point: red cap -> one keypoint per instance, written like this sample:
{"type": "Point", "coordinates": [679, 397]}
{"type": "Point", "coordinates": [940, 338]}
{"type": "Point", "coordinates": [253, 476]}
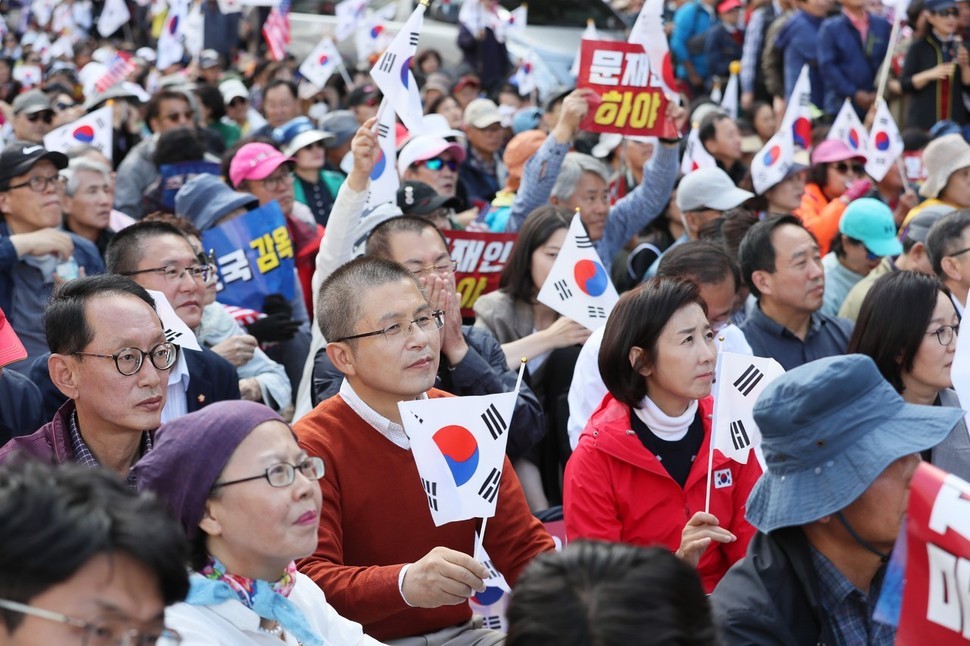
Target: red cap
{"type": "Point", "coordinates": [727, 5]}
{"type": "Point", "coordinates": [11, 349]}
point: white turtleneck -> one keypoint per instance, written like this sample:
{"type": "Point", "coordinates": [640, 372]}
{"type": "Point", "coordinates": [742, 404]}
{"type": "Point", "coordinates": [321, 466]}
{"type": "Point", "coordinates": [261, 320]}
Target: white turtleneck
{"type": "Point", "coordinates": [667, 428]}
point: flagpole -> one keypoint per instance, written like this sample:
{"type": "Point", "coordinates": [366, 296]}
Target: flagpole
{"type": "Point", "coordinates": [480, 538]}
{"type": "Point", "coordinates": [887, 62]}
{"type": "Point", "coordinates": [518, 382]}
{"type": "Point", "coordinates": [710, 452]}
{"type": "Point", "coordinates": [346, 77]}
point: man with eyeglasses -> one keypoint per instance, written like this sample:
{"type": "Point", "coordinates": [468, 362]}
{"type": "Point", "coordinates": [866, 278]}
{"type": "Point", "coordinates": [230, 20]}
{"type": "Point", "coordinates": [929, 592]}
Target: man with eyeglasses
{"type": "Point", "coordinates": [166, 110]}
{"type": "Point", "coordinates": [159, 257]}
{"type": "Point", "coordinates": [948, 245]}
{"type": "Point", "coordinates": [99, 569]}
{"type": "Point", "coordinates": [33, 117]}
{"type": "Point", "coordinates": [32, 244]}
{"type": "Point", "coordinates": [380, 557]}
{"type": "Point", "coordinates": [111, 360]}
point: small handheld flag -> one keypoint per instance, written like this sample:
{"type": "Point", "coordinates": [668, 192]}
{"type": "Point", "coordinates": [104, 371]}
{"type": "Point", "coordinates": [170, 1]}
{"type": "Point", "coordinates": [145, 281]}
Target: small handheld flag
{"type": "Point", "coordinates": [695, 155]}
{"type": "Point", "coordinates": [849, 130]}
{"type": "Point", "coordinates": [798, 115]}
{"type": "Point", "coordinates": [648, 31]}
{"type": "Point", "coordinates": [384, 180]}
{"type": "Point", "coordinates": [885, 143]}
{"type": "Point", "coordinates": [393, 76]}
{"type": "Point", "coordinates": [92, 129]}
{"type": "Point", "coordinates": [771, 164]}
{"type": "Point", "coordinates": [323, 61]}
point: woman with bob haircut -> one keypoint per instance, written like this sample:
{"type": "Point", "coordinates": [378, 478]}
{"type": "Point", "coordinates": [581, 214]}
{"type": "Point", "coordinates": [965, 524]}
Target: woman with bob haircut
{"type": "Point", "coordinates": [247, 497]}
{"type": "Point", "coordinates": [907, 324]}
{"type": "Point", "coordinates": [639, 472]}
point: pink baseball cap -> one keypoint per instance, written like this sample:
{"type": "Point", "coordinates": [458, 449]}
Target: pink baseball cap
{"type": "Point", "coordinates": [833, 150]}
{"type": "Point", "coordinates": [425, 147]}
{"type": "Point", "coordinates": [255, 161]}
{"type": "Point", "coordinates": [11, 349]}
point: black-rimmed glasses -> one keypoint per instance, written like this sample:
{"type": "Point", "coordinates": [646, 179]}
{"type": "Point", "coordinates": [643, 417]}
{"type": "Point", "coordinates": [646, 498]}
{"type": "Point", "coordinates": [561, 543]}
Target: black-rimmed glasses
{"type": "Point", "coordinates": [39, 184]}
{"type": "Point", "coordinates": [946, 333]}
{"type": "Point", "coordinates": [957, 253]}
{"type": "Point", "coordinates": [174, 274]}
{"type": "Point", "coordinates": [283, 474]}
{"type": "Point", "coordinates": [129, 361]}
{"type": "Point", "coordinates": [101, 632]}
{"type": "Point", "coordinates": [434, 321]}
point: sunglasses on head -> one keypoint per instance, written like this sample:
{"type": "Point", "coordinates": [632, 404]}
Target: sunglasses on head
{"type": "Point", "coordinates": [437, 163]}
{"type": "Point", "coordinates": [952, 12]}
{"type": "Point", "coordinates": [48, 117]}
{"type": "Point", "coordinates": [844, 168]}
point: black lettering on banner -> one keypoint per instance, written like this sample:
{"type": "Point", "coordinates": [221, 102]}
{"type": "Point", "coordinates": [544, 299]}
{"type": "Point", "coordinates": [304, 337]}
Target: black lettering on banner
{"type": "Point", "coordinates": [431, 489]}
{"type": "Point", "coordinates": [489, 488]}
{"type": "Point", "coordinates": [494, 422]}
{"type": "Point", "coordinates": [387, 62]}
{"type": "Point", "coordinates": [583, 242]}
{"type": "Point", "coordinates": [596, 311]}
{"type": "Point", "coordinates": [739, 436]}
{"type": "Point", "coordinates": [748, 380]}
{"type": "Point", "coordinates": [562, 288]}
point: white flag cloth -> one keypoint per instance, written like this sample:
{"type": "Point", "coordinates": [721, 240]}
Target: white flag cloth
{"type": "Point", "coordinates": [114, 14]}
{"type": "Point", "coordinates": [349, 13]}
{"type": "Point", "coordinates": [518, 19]}
{"type": "Point", "coordinates": [62, 47]}
{"type": "Point", "coordinates": [849, 130]}
{"type": "Point", "coordinates": [92, 129]}
{"type": "Point", "coordinates": [170, 40]}
{"type": "Point", "coordinates": [648, 31]}
{"type": "Point", "coordinates": [798, 116]}
{"type": "Point", "coordinates": [194, 30]}
{"type": "Point", "coordinates": [729, 102]}
{"type": "Point", "coordinates": [393, 76]}
{"type": "Point", "coordinates": [322, 62]}
{"type": "Point", "coordinates": [176, 331]}
{"type": "Point", "coordinates": [578, 286]}
{"type": "Point", "coordinates": [960, 372]}
{"type": "Point", "coordinates": [885, 143]}
{"type": "Point", "coordinates": [371, 36]}
{"type": "Point", "coordinates": [230, 6]}
{"type": "Point", "coordinates": [458, 444]}
{"type": "Point", "coordinates": [495, 578]}
{"type": "Point", "coordinates": [525, 76]}
{"type": "Point", "coordinates": [42, 44]}
{"type": "Point", "coordinates": [695, 155]}
{"type": "Point", "coordinates": [739, 380]}
{"type": "Point", "coordinates": [589, 34]}
{"type": "Point", "coordinates": [770, 165]}
{"type": "Point", "coordinates": [384, 180]}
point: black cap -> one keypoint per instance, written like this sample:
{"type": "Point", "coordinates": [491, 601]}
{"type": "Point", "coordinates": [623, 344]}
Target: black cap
{"type": "Point", "coordinates": [367, 94]}
{"type": "Point", "coordinates": [17, 159]}
{"type": "Point", "coordinates": [417, 198]}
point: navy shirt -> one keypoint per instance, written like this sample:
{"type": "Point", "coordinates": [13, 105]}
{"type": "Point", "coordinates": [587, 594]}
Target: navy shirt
{"type": "Point", "coordinates": [827, 336]}
{"type": "Point", "coordinates": [20, 406]}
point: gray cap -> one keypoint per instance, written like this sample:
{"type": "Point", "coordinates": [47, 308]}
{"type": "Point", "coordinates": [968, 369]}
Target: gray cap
{"type": "Point", "coordinates": [32, 102]}
{"type": "Point", "coordinates": [919, 227]}
{"type": "Point", "coordinates": [342, 124]}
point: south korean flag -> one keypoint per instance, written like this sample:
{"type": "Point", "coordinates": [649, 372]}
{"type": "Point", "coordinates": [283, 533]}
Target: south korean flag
{"type": "Point", "coordinates": [92, 129]}
{"type": "Point", "coordinates": [578, 285]}
{"type": "Point", "coordinates": [458, 445]}
{"type": "Point", "coordinates": [740, 379]}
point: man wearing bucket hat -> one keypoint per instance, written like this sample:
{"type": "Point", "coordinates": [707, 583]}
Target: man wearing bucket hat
{"type": "Point", "coordinates": [840, 446]}
{"type": "Point", "coordinates": [947, 164]}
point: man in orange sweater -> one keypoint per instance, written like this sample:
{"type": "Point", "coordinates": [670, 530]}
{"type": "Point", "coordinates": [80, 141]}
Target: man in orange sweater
{"type": "Point", "coordinates": [380, 559]}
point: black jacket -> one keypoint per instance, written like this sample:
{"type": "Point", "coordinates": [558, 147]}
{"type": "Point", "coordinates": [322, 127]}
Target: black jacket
{"type": "Point", "coordinates": [926, 105]}
{"type": "Point", "coordinates": [771, 595]}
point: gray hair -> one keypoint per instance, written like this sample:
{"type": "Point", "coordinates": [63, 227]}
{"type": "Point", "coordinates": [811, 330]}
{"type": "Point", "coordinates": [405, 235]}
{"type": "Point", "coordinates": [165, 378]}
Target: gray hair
{"type": "Point", "coordinates": [79, 165]}
{"type": "Point", "coordinates": [572, 169]}
{"type": "Point", "coordinates": [944, 237]}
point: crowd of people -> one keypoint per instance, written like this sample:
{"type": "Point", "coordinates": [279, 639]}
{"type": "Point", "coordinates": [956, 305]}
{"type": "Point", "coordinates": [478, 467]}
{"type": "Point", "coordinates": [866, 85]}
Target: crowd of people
{"type": "Point", "coordinates": [179, 466]}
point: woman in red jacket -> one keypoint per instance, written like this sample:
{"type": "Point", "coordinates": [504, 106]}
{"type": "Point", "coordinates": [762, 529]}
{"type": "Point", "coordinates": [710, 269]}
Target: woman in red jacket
{"type": "Point", "coordinates": [639, 472]}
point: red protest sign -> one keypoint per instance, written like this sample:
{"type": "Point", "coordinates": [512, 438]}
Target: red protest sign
{"type": "Point", "coordinates": [936, 594]}
{"type": "Point", "coordinates": [480, 258]}
{"type": "Point", "coordinates": [629, 99]}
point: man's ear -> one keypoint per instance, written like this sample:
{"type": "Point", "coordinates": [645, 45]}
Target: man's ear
{"type": "Point", "coordinates": [951, 268]}
{"type": "Point", "coordinates": [209, 524]}
{"type": "Point", "coordinates": [762, 280]}
{"type": "Point", "coordinates": [555, 201]}
{"type": "Point", "coordinates": [63, 372]}
{"type": "Point", "coordinates": [342, 357]}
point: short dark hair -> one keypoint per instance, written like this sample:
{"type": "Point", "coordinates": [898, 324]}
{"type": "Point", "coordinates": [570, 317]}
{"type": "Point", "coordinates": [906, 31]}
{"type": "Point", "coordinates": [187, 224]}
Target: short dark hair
{"type": "Point", "coordinates": [379, 240]}
{"type": "Point", "coordinates": [65, 324]}
{"type": "Point", "coordinates": [55, 519]}
{"type": "Point", "coordinates": [154, 106]}
{"type": "Point", "coordinates": [339, 298]}
{"type": "Point", "coordinates": [757, 251]}
{"type": "Point", "coordinates": [703, 262]}
{"type": "Point", "coordinates": [893, 319]}
{"type": "Point", "coordinates": [707, 130]}
{"type": "Point", "coordinates": [211, 98]}
{"type": "Point", "coordinates": [943, 236]}
{"type": "Point", "coordinates": [275, 83]}
{"type": "Point", "coordinates": [182, 144]}
{"type": "Point", "coordinates": [818, 174]}
{"type": "Point", "coordinates": [538, 227]}
{"type": "Point", "coordinates": [124, 252]}
{"type": "Point", "coordinates": [637, 320]}
{"type": "Point", "coordinates": [737, 222]}
{"type": "Point", "coordinates": [609, 594]}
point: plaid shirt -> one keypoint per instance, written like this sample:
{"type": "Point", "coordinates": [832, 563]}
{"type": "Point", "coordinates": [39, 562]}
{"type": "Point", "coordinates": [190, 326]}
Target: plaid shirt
{"type": "Point", "coordinates": [83, 455]}
{"type": "Point", "coordinates": [849, 609]}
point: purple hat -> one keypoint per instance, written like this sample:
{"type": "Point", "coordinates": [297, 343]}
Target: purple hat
{"type": "Point", "coordinates": [191, 452]}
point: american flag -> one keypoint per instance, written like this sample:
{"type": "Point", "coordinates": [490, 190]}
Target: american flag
{"type": "Point", "coordinates": [119, 69]}
{"type": "Point", "coordinates": [276, 30]}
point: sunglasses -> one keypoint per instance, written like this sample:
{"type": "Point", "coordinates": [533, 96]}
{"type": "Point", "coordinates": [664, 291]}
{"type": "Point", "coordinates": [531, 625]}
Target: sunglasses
{"type": "Point", "coordinates": [48, 117]}
{"type": "Point", "coordinates": [437, 163]}
{"type": "Point", "coordinates": [238, 101]}
{"type": "Point", "coordinates": [952, 12]}
{"type": "Point", "coordinates": [61, 105]}
{"type": "Point", "coordinates": [856, 169]}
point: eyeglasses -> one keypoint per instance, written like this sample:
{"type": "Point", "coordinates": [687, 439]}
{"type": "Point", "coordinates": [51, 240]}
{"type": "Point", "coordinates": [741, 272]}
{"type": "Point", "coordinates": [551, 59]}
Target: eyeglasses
{"type": "Point", "coordinates": [39, 184]}
{"type": "Point", "coordinates": [946, 333]}
{"type": "Point", "coordinates": [101, 632]}
{"type": "Point", "coordinates": [283, 474]}
{"type": "Point", "coordinates": [957, 253]}
{"type": "Point", "coordinates": [441, 268]}
{"type": "Point", "coordinates": [179, 117]}
{"type": "Point", "coordinates": [208, 260]}
{"type": "Point", "coordinates": [396, 330]}
{"type": "Point", "coordinates": [855, 169]}
{"type": "Point", "coordinates": [277, 181]}
{"type": "Point", "coordinates": [952, 12]}
{"type": "Point", "coordinates": [47, 117]}
{"type": "Point", "coordinates": [174, 274]}
{"type": "Point", "coordinates": [436, 163]}
{"type": "Point", "coordinates": [129, 361]}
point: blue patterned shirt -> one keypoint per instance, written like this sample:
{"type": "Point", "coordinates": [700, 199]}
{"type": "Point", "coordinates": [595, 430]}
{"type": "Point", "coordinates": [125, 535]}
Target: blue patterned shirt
{"type": "Point", "coordinates": [849, 609]}
{"type": "Point", "coordinates": [83, 455]}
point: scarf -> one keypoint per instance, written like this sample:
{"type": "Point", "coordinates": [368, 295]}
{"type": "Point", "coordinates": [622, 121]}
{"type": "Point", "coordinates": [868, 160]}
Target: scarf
{"type": "Point", "coordinates": [268, 600]}
{"type": "Point", "coordinates": [662, 425]}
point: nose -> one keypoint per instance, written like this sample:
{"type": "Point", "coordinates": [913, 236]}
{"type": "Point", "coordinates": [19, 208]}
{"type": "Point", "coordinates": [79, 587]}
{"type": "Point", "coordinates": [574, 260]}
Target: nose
{"type": "Point", "coordinates": [149, 376]}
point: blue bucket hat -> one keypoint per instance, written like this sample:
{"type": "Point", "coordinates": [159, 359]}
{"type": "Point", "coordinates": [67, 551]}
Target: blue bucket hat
{"type": "Point", "coordinates": [205, 198]}
{"type": "Point", "coordinates": [829, 428]}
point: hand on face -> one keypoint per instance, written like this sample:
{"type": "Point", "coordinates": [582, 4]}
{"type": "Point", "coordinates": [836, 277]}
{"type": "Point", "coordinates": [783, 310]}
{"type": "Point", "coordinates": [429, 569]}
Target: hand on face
{"type": "Point", "coordinates": [441, 295]}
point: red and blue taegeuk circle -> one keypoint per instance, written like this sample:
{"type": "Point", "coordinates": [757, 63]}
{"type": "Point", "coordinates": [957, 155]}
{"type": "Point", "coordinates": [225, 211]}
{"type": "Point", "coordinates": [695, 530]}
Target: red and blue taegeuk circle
{"type": "Point", "coordinates": [84, 134]}
{"type": "Point", "coordinates": [460, 450]}
{"type": "Point", "coordinates": [591, 277]}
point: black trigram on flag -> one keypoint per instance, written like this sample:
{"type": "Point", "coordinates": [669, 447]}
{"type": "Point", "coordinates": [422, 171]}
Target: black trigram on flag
{"type": "Point", "coordinates": [596, 312]}
{"type": "Point", "coordinates": [494, 422]}
{"type": "Point", "coordinates": [489, 488]}
{"type": "Point", "coordinates": [492, 572]}
{"type": "Point", "coordinates": [492, 622]}
{"type": "Point", "coordinates": [413, 39]}
{"type": "Point", "coordinates": [387, 62]}
{"type": "Point", "coordinates": [383, 130]}
{"type": "Point", "coordinates": [739, 436]}
{"type": "Point", "coordinates": [562, 288]}
{"type": "Point", "coordinates": [583, 242]}
{"type": "Point", "coordinates": [172, 335]}
{"type": "Point", "coordinates": [431, 489]}
{"type": "Point", "coordinates": [99, 122]}
{"type": "Point", "coordinates": [748, 380]}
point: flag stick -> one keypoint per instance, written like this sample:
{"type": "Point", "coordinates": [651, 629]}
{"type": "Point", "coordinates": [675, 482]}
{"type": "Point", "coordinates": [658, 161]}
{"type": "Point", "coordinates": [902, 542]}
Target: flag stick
{"type": "Point", "coordinates": [346, 77]}
{"type": "Point", "coordinates": [710, 452]}
{"type": "Point", "coordinates": [887, 62]}
{"type": "Point", "coordinates": [518, 382]}
{"type": "Point", "coordinates": [480, 538]}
